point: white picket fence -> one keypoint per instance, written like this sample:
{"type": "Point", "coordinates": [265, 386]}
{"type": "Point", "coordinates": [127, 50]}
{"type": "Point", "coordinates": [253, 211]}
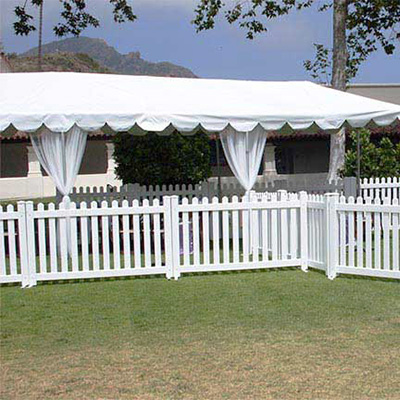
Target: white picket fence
{"type": "Point", "coordinates": [359, 237]}
{"type": "Point", "coordinates": [229, 187]}
{"type": "Point", "coordinates": [374, 187]}
{"type": "Point", "coordinates": [175, 236]}
{"type": "Point", "coordinates": [381, 187]}
{"type": "Point", "coordinates": [13, 250]}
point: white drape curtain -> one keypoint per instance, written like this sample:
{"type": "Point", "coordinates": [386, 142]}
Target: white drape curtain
{"type": "Point", "coordinates": [60, 154]}
{"type": "Point", "coordinates": [244, 151]}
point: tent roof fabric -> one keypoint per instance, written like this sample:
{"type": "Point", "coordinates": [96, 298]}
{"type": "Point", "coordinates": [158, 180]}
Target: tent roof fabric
{"type": "Point", "coordinates": [138, 104]}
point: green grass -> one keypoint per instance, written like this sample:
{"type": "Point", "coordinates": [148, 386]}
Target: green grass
{"type": "Point", "coordinates": [275, 334]}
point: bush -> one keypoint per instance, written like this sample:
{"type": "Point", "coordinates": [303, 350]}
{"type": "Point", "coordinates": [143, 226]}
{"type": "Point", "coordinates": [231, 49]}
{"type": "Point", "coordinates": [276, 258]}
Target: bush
{"type": "Point", "coordinates": [159, 160]}
{"type": "Point", "coordinates": [378, 160]}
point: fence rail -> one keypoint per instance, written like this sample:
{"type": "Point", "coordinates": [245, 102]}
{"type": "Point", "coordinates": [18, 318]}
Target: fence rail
{"type": "Point", "coordinates": [175, 236]}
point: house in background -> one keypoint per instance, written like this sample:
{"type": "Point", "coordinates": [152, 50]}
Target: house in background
{"type": "Point", "coordinates": [295, 156]}
{"type": "Point", "coordinates": [302, 153]}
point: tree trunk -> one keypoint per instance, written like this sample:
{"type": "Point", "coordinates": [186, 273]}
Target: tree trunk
{"type": "Point", "coordinates": [40, 36]}
{"type": "Point", "coordinates": [339, 81]}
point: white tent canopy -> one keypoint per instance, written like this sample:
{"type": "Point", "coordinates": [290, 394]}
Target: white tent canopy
{"type": "Point", "coordinates": [60, 100]}
{"type": "Point", "coordinates": [72, 104]}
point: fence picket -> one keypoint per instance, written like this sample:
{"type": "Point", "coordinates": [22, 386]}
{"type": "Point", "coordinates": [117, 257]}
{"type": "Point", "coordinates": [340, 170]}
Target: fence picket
{"type": "Point", "coordinates": [73, 235]}
{"type": "Point", "coordinates": [293, 232]}
{"type": "Point", "coordinates": [3, 271]}
{"type": "Point", "coordinates": [245, 229]}
{"type": "Point", "coordinates": [255, 235]}
{"type": "Point", "coordinates": [126, 237]}
{"type": "Point", "coordinates": [386, 235]}
{"type": "Point", "coordinates": [42, 242]}
{"type": "Point", "coordinates": [137, 237]}
{"type": "Point", "coordinates": [12, 242]}
{"type": "Point", "coordinates": [215, 233]}
{"type": "Point", "coordinates": [157, 236]}
{"type": "Point", "coordinates": [84, 239]}
{"type": "Point", "coordinates": [235, 232]}
{"type": "Point", "coordinates": [265, 234]}
{"type": "Point", "coordinates": [274, 233]}
{"type": "Point", "coordinates": [350, 234]}
{"type": "Point", "coordinates": [311, 224]}
{"type": "Point", "coordinates": [395, 238]}
{"type": "Point", "coordinates": [95, 239]}
{"type": "Point", "coordinates": [225, 232]}
{"type": "Point", "coordinates": [206, 234]}
{"type": "Point", "coordinates": [147, 237]}
{"type": "Point", "coordinates": [360, 235]}
{"type": "Point", "coordinates": [53, 241]}
{"type": "Point", "coordinates": [284, 227]}
{"type": "Point", "coordinates": [323, 244]}
{"type": "Point", "coordinates": [105, 237]}
{"type": "Point", "coordinates": [116, 237]}
{"type": "Point", "coordinates": [63, 241]}
{"type": "Point", "coordinates": [185, 232]}
{"type": "Point", "coordinates": [342, 234]}
{"type": "Point", "coordinates": [368, 235]}
{"type": "Point", "coordinates": [196, 234]}
{"type": "Point", "coordinates": [377, 236]}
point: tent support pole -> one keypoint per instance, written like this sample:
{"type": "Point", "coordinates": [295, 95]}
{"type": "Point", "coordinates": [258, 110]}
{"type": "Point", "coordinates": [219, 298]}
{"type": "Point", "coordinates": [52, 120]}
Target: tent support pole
{"type": "Point", "coordinates": [218, 167]}
{"type": "Point", "coordinates": [358, 163]}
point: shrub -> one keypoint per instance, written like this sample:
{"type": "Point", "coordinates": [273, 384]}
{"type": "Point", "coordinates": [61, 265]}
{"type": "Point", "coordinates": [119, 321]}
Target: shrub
{"type": "Point", "coordinates": [159, 160]}
{"type": "Point", "coordinates": [378, 159]}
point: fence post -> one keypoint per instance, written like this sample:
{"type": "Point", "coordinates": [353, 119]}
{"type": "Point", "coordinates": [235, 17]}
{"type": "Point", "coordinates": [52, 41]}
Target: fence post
{"type": "Point", "coordinates": [172, 236]}
{"type": "Point", "coordinates": [166, 201]}
{"type": "Point", "coordinates": [30, 240]}
{"type": "Point", "coordinates": [175, 236]}
{"type": "Point", "coordinates": [303, 231]}
{"type": "Point", "coordinates": [331, 233]}
{"type": "Point", "coordinates": [350, 186]}
{"type": "Point", "coordinates": [23, 246]}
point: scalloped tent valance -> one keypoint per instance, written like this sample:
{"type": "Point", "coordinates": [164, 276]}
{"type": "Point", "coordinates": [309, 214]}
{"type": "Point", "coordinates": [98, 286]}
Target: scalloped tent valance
{"type": "Point", "coordinates": [60, 100]}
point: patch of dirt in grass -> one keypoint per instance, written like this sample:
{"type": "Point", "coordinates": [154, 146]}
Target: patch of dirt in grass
{"type": "Point", "coordinates": [334, 365]}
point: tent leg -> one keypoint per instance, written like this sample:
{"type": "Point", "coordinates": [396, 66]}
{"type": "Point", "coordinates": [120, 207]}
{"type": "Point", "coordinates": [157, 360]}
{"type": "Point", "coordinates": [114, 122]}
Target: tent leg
{"type": "Point", "coordinates": [218, 168]}
{"type": "Point", "coordinates": [358, 163]}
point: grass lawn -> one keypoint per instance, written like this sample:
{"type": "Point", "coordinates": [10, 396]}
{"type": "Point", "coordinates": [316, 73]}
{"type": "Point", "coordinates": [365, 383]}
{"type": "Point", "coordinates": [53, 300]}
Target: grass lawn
{"type": "Point", "coordinates": [254, 335]}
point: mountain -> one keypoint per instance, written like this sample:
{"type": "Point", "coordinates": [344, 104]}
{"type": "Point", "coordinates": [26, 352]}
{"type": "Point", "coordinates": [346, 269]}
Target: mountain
{"type": "Point", "coordinates": [67, 62]}
{"type": "Point", "coordinates": [109, 57]}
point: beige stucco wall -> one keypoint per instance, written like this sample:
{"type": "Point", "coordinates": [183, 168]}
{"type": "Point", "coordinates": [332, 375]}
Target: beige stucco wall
{"type": "Point", "coordinates": [383, 92]}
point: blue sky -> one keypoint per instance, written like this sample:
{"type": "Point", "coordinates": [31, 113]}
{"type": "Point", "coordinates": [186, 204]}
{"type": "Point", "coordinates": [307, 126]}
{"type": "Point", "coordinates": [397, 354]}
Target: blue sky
{"type": "Point", "coordinates": [163, 32]}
